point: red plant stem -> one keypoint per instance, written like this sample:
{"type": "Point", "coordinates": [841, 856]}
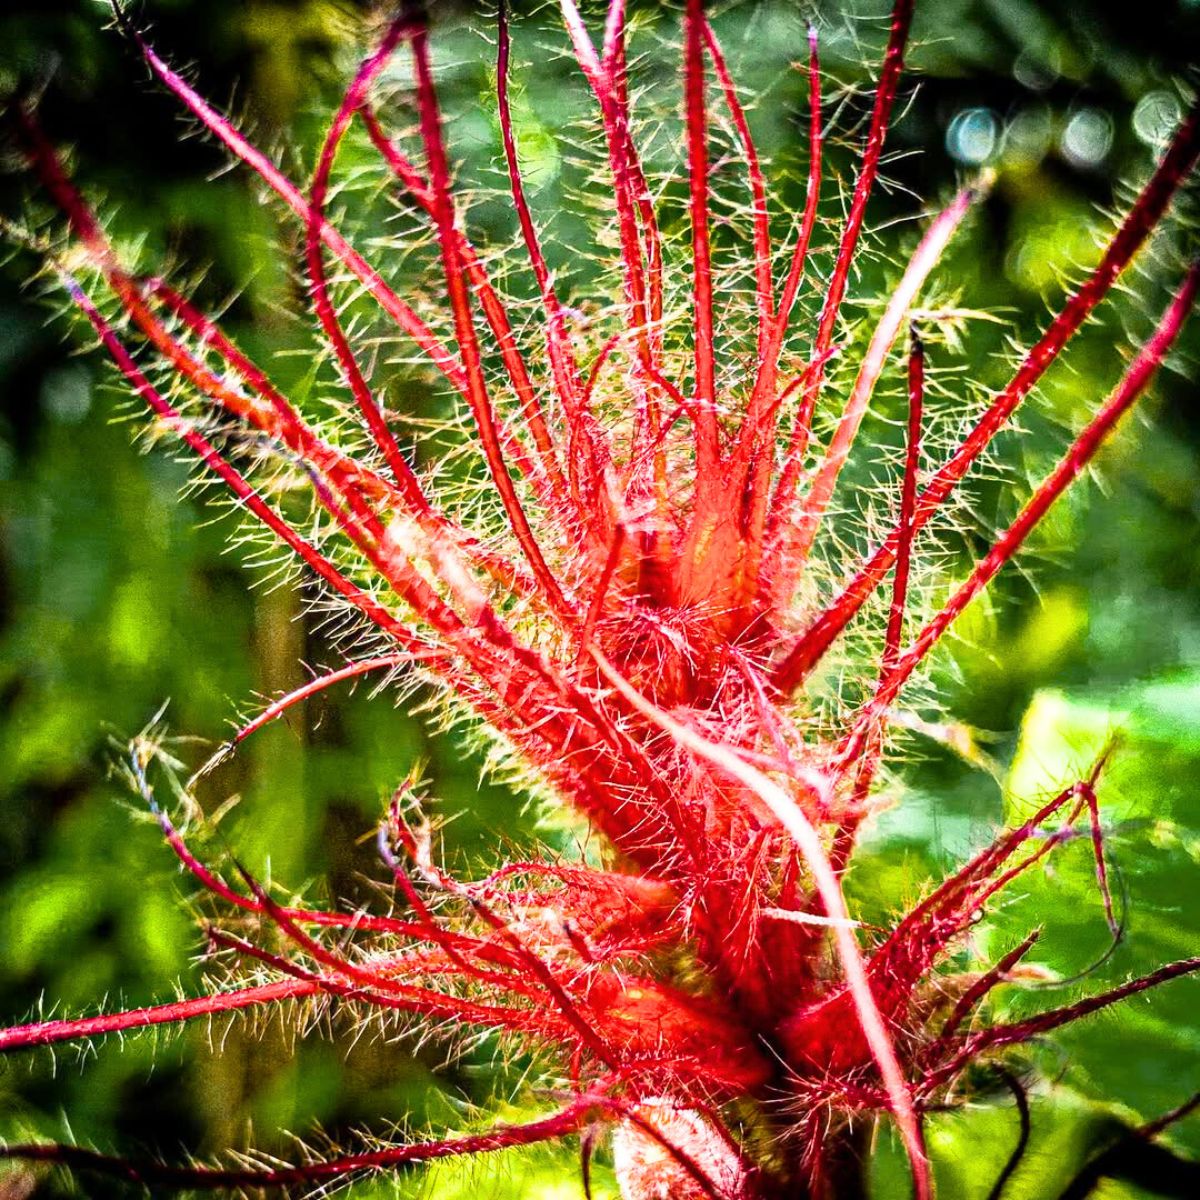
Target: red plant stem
{"type": "Point", "coordinates": [566, 1121]}
{"type": "Point", "coordinates": [766, 378]}
{"type": "Point", "coordinates": [558, 342]}
{"type": "Point", "coordinates": [287, 191]}
{"type": "Point", "coordinates": [405, 999]}
{"type": "Point", "coordinates": [633, 202]}
{"type": "Point", "coordinates": [868, 762]}
{"type": "Point", "coordinates": [983, 895]}
{"type": "Point", "coordinates": [812, 196]}
{"type": "Point", "coordinates": [756, 461]}
{"type": "Point", "coordinates": [236, 483]}
{"type": "Point", "coordinates": [566, 1005]}
{"type": "Point", "coordinates": [45, 1033]}
{"type": "Point", "coordinates": [347, 475]}
{"type": "Point", "coordinates": [989, 979]}
{"type": "Point", "coordinates": [489, 302]}
{"type": "Point", "coordinates": [616, 137]}
{"type": "Point", "coordinates": [444, 940]}
{"type": "Point", "coordinates": [218, 887]}
{"type": "Point", "coordinates": [614, 69]}
{"type": "Point", "coordinates": [1142, 218]}
{"type": "Point", "coordinates": [972, 1045]}
{"type": "Point", "coordinates": [280, 420]}
{"type": "Point", "coordinates": [908, 500]}
{"type": "Point", "coordinates": [763, 283]}
{"type": "Point", "coordinates": [597, 366]}
{"type": "Point", "coordinates": [955, 893]}
{"type": "Point", "coordinates": [707, 436]}
{"type": "Point", "coordinates": [1159, 1124]}
{"type": "Point", "coordinates": [464, 326]}
{"type": "Point", "coordinates": [323, 306]}
{"type": "Point", "coordinates": [885, 97]}
{"type": "Point", "coordinates": [380, 989]}
{"type": "Point", "coordinates": [1097, 833]}
{"type": "Point", "coordinates": [277, 708]}
{"type": "Point", "coordinates": [409, 585]}
{"type": "Point", "coordinates": [924, 259]}
{"type": "Point", "coordinates": [602, 585]}
{"type": "Point", "coordinates": [614, 30]}
{"type": "Point", "coordinates": [1081, 452]}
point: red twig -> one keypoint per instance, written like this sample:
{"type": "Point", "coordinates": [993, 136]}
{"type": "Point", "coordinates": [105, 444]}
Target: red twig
{"type": "Point", "coordinates": [568, 1120]}
{"type": "Point", "coordinates": [1142, 218]}
{"type": "Point", "coordinates": [1080, 454]}
{"type": "Point", "coordinates": [452, 268]}
{"type": "Point", "coordinates": [885, 98]}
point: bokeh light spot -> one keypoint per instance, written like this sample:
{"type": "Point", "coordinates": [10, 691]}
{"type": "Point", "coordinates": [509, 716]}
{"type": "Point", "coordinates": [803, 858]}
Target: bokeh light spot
{"type": "Point", "coordinates": [973, 135]}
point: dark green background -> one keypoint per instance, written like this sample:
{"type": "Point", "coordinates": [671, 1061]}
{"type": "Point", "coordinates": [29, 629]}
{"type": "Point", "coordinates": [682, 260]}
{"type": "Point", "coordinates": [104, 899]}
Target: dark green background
{"type": "Point", "coordinates": [117, 594]}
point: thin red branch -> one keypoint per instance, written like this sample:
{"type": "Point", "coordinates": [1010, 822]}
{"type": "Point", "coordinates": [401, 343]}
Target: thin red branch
{"type": "Point", "coordinates": [755, 450]}
{"type": "Point", "coordinates": [213, 883]}
{"type": "Point", "coordinates": [885, 98]}
{"type": "Point", "coordinates": [236, 482]}
{"type": "Point", "coordinates": [766, 377]}
{"type": "Point", "coordinates": [277, 708]}
{"type": "Point", "coordinates": [323, 304]}
{"type": "Point", "coordinates": [1140, 221]}
{"type": "Point", "coordinates": [567, 1121]}
{"type": "Point", "coordinates": [464, 325]}
{"type": "Point", "coordinates": [763, 283]}
{"type": "Point", "coordinates": [493, 310]}
{"type": "Point", "coordinates": [558, 342]}
{"type": "Point", "coordinates": [908, 500]}
{"type": "Point", "coordinates": [972, 1045]}
{"type": "Point", "coordinates": [228, 136]}
{"type": "Point", "coordinates": [924, 259]}
{"type": "Point", "coordinates": [566, 1005]}
{"type": "Point", "coordinates": [1080, 454]}
{"type": "Point", "coordinates": [641, 248]}
{"type": "Point", "coordinates": [869, 760]}
{"type": "Point", "coordinates": [707, 434]}
{"type": "Point", "coordinates": [995, 974]}
{"type": "Point", "coordinates": [45, 1033]}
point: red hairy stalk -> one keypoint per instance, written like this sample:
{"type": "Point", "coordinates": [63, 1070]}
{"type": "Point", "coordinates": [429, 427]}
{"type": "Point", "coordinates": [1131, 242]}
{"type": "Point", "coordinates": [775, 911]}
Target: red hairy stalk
{"type": "Point", "coordinates": [926, 257]}
{"type": "Point", "coordinates": [1141, 220]}
{"type": "Point", "coordinates": [604, 573]}
{"type": "Point", "coordinates": [885, 98]}
{"type": "Point", "coordinates": [277, 708]}
{"type": "Point", "coordinates": [46, 1033]}
{"type": "Point", "coordinates": [707, 448]}
{"type": "Point", "coordinates": [562, 1123]}
{"type": "Point", "coordinates": [1082, 451]}
{"type": "Point", "coordinates": [763, 281]}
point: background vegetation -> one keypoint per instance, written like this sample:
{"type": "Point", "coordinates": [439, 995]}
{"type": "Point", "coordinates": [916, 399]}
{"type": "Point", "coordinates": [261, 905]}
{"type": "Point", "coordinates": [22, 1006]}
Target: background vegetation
{"type": "Point", "coordinates": [117, 593]}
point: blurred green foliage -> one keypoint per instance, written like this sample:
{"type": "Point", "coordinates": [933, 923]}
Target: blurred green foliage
{"type": "Point", "coordinates": [117, 594]}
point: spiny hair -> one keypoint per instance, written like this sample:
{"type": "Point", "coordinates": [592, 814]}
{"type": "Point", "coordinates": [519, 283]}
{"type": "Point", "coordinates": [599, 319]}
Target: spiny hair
{"type": "Point", "coordinates": [624, 555]}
